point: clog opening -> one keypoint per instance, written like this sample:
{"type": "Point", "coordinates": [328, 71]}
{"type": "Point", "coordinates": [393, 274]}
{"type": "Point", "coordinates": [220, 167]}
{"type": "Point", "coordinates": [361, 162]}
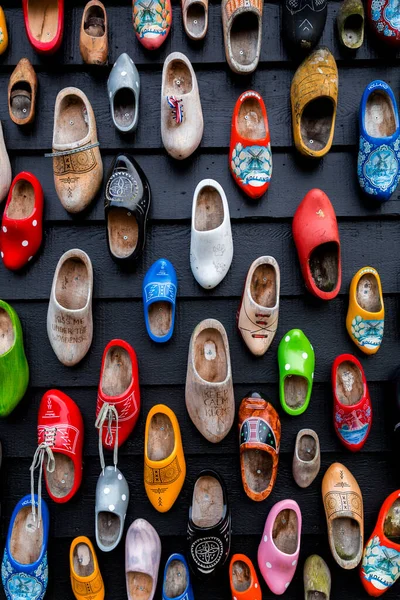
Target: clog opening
{"type": "Point", "coordinates": [161, 438]}
{"type": "Point", "coordinates": [26, 537]}
{"type": "Point", "coordinates": [95, 21]}
{"type": "Point", "coordinates": [160, 318]}
{"type": "Point", "coordinates": [324, 266]}
{"type": "Point", "coordinates": [179, 78]}
{"type": "Point", "coordinates": [72, 122]}
{"type": "Point", "coordinates": [196, 19]}
{"type": "Point", "coordinates": [21, 100]}
{"type": "Point", "coordinates": [241, 576]}
{"type": "Point", "coordinates": [108, 528]}
{"type": "Point", "coordinates": [43, 19]}
{"type": "Point", "coordinates": [263, 286]}
{"type": "Point", "coordinates": [140, 585]}
{"type": "Point", "coordinates": [83, 560]}
{"type": "Point", "coordinates": [349, 383]}
{"type": "Point", "coordinates": [367, 295]}
{"type": "Point", "coordinates": [307, 448]}
{"type": "Point", "coordinates": [244, 38]}
{"type": "Point", "coordinates": [353, 30]}
{"type": "Point", "coordinates": [250, 123]}
{"type": "Point", "coordinates": [210, 356]}
{"type": "Point", "coordinates": [285, 531]}
{"type": "Point", "coordinates": [257, 469]}
{"type": "Point", "coordinates": [7, 335]}
{"type": "Point", "coordinates": [346, 538]}
{"type": "Point", "coordinates": [175, 579]}
{"type": "Point", "coordinates": [295, 390]}
{"type": "Point", "coordinates": [61, 481]}
{"type": "Point", "coordinates": [316, 123]}
{"type": "Point", "coordinates": [391, 525]}
{"type": "Point", "coordinates": [209, 213]}
{"type": "Point", "coordinates": [117, 373]}
{"type": "Point", "coordinates": [208, 502]}
{"type": "Point", "coordinates": [380, 118]}
{"type": "Point", "coordinates": [123, 232]}
{"type": "Point", "coordinates": [124, 107]}
{"type": "Point", "coordinates": [72, 286]}
{"type": "Point", "coordinates": [22, 200]}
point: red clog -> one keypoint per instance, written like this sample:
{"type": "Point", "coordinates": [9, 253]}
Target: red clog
{"type": "Point", "coordinates": [60, 428]}
{"type": "Point", "coordinates": [118, 393]}
{"type": "Point", "coordinates": [352, 408]}
{"type": "Point", "coordinates": [384, 18]}
{"type": "Point", "coordinates": [250, 158]}
{"type": "Point", "coordinates": [243, 579]}
{"type": "Point", "coordinates": [44, 24]}
{"type": "Point", "coordinates": [316, 235]}
{"type": "Point", "coordinates": [22, 225]}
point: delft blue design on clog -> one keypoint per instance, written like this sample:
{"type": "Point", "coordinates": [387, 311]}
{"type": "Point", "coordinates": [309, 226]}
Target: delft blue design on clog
{"type": "Point", "coordinates": [160, 285]}
{"type": "Point", "coordinates": [378, 166]}
{"type": "Point", "coordinates": [367, 333]}
{"type": "Point", "coordinates": [380, 564]}
{"type": "Point", "coordinates": [187, 594]}
{"type": "Point", "coordinates": [26, 582]}
{"type": "Point", "coordinates": [252, 164]}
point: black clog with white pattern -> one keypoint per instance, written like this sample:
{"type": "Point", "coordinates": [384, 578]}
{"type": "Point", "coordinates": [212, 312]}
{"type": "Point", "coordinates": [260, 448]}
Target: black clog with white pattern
{"type": "Point", "coordinates": [303, 22]}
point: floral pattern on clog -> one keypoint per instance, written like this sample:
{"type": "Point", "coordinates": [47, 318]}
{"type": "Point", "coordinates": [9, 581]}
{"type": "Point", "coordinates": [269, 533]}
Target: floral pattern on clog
{"type": "Point", "coordinates": [386, 18]}
{"type": "Point", "coordinates": [24, 586]}
{"type": "Point", "coordinates": [252, 164]}
{"type": "Point", "coordinates": [367, 333]}
{"type": "Point", "coordinates": [378, 167]}
{"type": "Point", "coordinates": [380, 564]}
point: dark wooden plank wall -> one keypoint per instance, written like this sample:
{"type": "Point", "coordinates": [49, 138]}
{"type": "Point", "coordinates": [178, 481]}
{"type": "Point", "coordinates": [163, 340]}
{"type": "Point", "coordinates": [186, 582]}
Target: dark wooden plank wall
{"type": "Point", "coordinates": [370, 234]}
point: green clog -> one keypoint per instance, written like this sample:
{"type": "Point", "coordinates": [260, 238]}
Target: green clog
{"type": "Point", "coordinates": [14, 369]}
{"type": "Point", "coordinates": [317, 579]}
{"type": "Point", "coordinates": [296, 371]}
{"type": "Point", "coordinates": [350, 23]}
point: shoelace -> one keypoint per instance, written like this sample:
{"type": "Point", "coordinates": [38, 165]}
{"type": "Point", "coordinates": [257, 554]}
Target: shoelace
{"type": "Point", "coordinates": [262, 325]}
{"type": "Point", "coordinates": [177, 109]}
{"type": "Point", "coordinates": [44, 448]}
{"type": "Point", "coordinates": [108, 413]}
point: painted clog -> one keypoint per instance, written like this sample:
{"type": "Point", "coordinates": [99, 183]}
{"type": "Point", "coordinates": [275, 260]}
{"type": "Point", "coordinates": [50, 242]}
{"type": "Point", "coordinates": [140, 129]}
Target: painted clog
{"type": "Point", "coordinates": [384, 19]}
{"type": "Point", "coordinates": [392, 410]}
{"type": "Point", "coordinates": [195, 18]}
{"type": "Point", "coordinates": [380, 567]}
{"type": "Point", "coordinates": [366, 312]}
{"type": "Point", "coordinates": [5, 167]}
{"type": "Point", "coordinates": [317, 578]}
{"type": "Point", "coordinates": [44, 24]}
{"type": "Point", "coordinates": [344, 512]}
{"type": "Point", "coordinates": [306, 458]}
{"type": "Point", "coordinates": [22, 224]}
{"type": "Point", "coordinates": [258, 313]}
{"type": "Point", "coordinates": [126, 204]}
{"type": "Point", "coordinates": [250, 157]}
{"type": "Point", "coordinates": [352, 409]}
{"type": "Point", "coordinates": [22, 91]}
{"type": "Point", "coordinates": [123, 87]}
{"type": "Point", "coordinates": [314, 95]}
{"type": "Point", "coordinates": [3, 32]}
{"type": "Point", "coordinates": [209, 389]}
{"type": "Point", "coordinates": [181, 113]}
{"type": "Point", "coordinates": [118, 389]}
{"type": "Point", "coordinates": [142, 560]}
{"type": "Point", "coordinates": [209, 527]}
{"type": "Point", "coordinates": [379, 151]}
{"type": "Point", "coordinates": [316, 235]}
{"type": "Point", "coordinates": [243, 579]}
{"type": "Point", "coordinates": [279, 548]}
{"type": "Point", "coordinates": [93, 40]}
{"type": "Point", "coordinates": [24, 569]}
{"type": "Point", "coordinates": [242, 26]}
{"type": "Point", "coordinates": [211, 244]}
{"type": "Point", "coordinates": [259, 439]}
{"type": "Point", "coordinates": [296, 362]}
{"type": "Point", "coordinates": [152, 22]}
{"type": "Point", "coordinates": [350, 23]}
{"type": "Point", "coordinates": [177, 584]}
{"type": "Point", "coordinates": [160, 286]}
{"type": "Point", "coordinates": [69, 316]}
{"type": "Point", "coordinates": [77, 164]}
{"type": "Point", "coordinates": [86, 580]}
{"type": "Point", "coordinates": [14, 369]}
{"type": "Point", "coordinates": [164, 461]}
{"type": "Point", "coordinates": [303, 23]}
{"type": "Point", "coordinates": [112, 500]}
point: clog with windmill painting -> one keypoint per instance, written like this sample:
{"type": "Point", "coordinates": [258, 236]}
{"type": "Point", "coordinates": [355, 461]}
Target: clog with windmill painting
{"type": "Point", "coordinates": [44, 24]}
{"type": "Point", "coordinates": [152, 22]}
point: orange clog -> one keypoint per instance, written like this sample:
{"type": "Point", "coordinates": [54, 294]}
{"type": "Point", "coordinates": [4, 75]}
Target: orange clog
{"type": "Point", "coordinates": [86, 580]}
{"type": "Point", "coordinates": [243, 579]}
{"type": "Point", "coordinates": [3, 32]}
{"type": "Point", "coordinates": [164, 461]}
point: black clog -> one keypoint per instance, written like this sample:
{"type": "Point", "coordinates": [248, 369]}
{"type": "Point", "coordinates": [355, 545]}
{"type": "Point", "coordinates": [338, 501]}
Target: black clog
{"type": "Point", "coordinates": [209, 528]}
{"type": "Point", "coordinates": [127, 203]}
{"type": "Point", "coordinates": [393, 409]}
{"type": "Point", "coordinates": [303, 22]}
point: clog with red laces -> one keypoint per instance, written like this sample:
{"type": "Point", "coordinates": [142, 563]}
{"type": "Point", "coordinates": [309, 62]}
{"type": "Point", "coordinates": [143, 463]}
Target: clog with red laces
{"type": "Point", "coordinates": [22, 224]}
{"type": "Point", "coordinates": [243, 579]}
{"type": "Point", "coordinates": [44, 24]}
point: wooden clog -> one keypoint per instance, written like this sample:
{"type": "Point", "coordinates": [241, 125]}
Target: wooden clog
{"type": "Point", "coordinates": [384, 19]}
{"type": "Point", "coordinates": [344, 512]}
{"type": "Point", "coordinates": [243, 579]}
{"type": "Point", "coordinates": [77, 164]}
{"type": "Point", "coordinates": [112, 501]}
{"type": "Point", "coordinates": [22, 224]}
{"type": "Point", "coordinates": [69, 316]}
{"type": "Point", "coordinates": [296, 362]}
{"type": "Point", "coordinates": [5, 167]}
{"type": "Point", "coordinates": [86, 579]}
{"type": "Point", "coordinates": [366, 312]}
{"type": "Point", "coordinates": [181, 113]}
{"type": "Point", "coordinates": [123, 87]}
{"type": "Point", "coordinates": [93, 41]}
{"type": "Point", "coordinates": [22, 89]}
{"type": "Point", "coordinates": [164, 460]}
{"type": "Point", "coordinates": [259, 439]}
{"type": "Point", "coordinates": [250, 157]}
{"type": "Point", "coordinates": [44, 24]}
{"type": "Point", "coordinates": [314, 95]}
{"type": "Point", "coordinates": [316, 235]}
{"type": "Point", "coordinates": [3, 32]}
{"type": "Point", "coordinates": [142, 560]}
{"type": "Point", "coordinates": [14, 369]}
{"type": "Point", "coordinates": [380, 567]}
{"type": "Point", "coordinates": [258, 313]}
{"type": "Point", "coordinates": [306, 458]}
{"type": "Point", "coordinates": [152, 22]}
{"type": "Point", "coordinates": [209, 390]}
{"type": "Point", "coordinates": [177, 584]}
{"type": "Point", "coordinates": [242, 26]}
{"type": "Point", "coordinates": [317, 579]}
{"type": "Point", "coordinates": [195, 18]}
{"type": "Point", "coordinates": [303, 23]}
{"type": "Point", "coordinates": [160, 286]}
{"type": "Point", "coordinates": [350, 23]}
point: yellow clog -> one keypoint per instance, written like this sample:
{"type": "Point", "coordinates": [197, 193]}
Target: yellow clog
{"type": "Point", "coordinates": [164, 461]}
{"type": "Point", "coordinates": [3, 32]}
{"type": "Point", "coordinates": [86, 580]}
{"type": "Point", "coordinates": [366, 313]}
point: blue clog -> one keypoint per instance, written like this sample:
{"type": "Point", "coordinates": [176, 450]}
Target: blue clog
{"type": "Point", "coordinates": [379, 153]}
{"type": "Point", "coordinates": [24, 570]}
{"type": "Point", "coordinates": [159, 298]}
{"type": "Point", "coordinates": [176, 584]}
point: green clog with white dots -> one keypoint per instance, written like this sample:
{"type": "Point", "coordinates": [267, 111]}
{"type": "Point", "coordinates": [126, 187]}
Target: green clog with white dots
{"type": "Point", "coordinates": [296, 371]}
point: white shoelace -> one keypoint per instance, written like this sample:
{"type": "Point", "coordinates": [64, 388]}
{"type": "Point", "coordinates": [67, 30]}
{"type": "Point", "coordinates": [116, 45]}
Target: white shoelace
{"type": "Point", "coordinates": [37, 462]}
{"type": "Point", "coordinates": [108, 413]}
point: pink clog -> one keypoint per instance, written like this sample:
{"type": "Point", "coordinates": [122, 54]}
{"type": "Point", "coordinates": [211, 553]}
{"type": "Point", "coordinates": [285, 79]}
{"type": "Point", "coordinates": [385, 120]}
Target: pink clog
{"type": "Point", "coordinates": [279, 548]}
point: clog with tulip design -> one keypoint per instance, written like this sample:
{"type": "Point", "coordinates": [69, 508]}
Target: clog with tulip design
{"type": "Point", "coordinates": [366, 312]}
{"type": "Point", "coordinates": [296, 362]}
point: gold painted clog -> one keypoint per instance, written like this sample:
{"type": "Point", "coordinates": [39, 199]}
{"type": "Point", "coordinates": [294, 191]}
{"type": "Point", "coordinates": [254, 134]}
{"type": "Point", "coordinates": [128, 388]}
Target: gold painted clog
{"type": "Point", "coordinates": [3, 32]}
{"type": "Point", "coordinates": [86, 580]}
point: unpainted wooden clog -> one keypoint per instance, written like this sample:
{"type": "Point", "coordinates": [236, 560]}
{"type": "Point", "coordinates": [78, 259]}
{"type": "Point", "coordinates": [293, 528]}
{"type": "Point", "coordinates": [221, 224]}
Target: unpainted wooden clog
{"type": "Point", "coordinates": [160, 286]}
{"type": "Point", "coordinates": [5, 167]}
{"type": "Point", "coordinates": [177, 584]}
{"type": "Point", "coordinates": [243, 579]}
{"type": "Point", "coordinates": [366, 313]}
{"type": "Point", "coordinates": [69, 316]}
{"type": "Point", "coordinates": [242, 26]}
{"type": "Point", "coordinates": [93, 41]}
{"type": "Point", "coordinates": [112, 500]}
{"type": "Point", "coordinates": [211, 243]}
{"type": "Point", "coordinates": [22, 90]}
{"type": "Point", "coordinates": [86, 579]}
{"type": "Point", "coordinates": [303, 23]}
{"type": "Point", "coordinates": [3, 32]}
{"type": "Point", "coordinates": [306, 457]}
{"type": "Point", "coordinates": [142, 560]}
{"type": "Point", "coordinates": [350, 23]}
{"type": "Point", "coordinates": [181, 113]}
{"type": "Point", "coordinates": [314, 95]}
{"type": "Point", "coordinates": [195, 18]}
{"type": "Point", "coordinates": [123, 87]}
{"type": "Point", "coordinates": [44, 24]}
{"type": "Point", "coordinates": [152, 21]}
{"type": "Point", "coordinates": [384, 19]}
{"type": "Point", "coordinates": [296, 362]}
{"type": "Point", "coordinates": [164, 460]}
{"type": "Point", "coordinates": [344, 512]}
{"type": "Point", "coordinates": [317, 578]}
